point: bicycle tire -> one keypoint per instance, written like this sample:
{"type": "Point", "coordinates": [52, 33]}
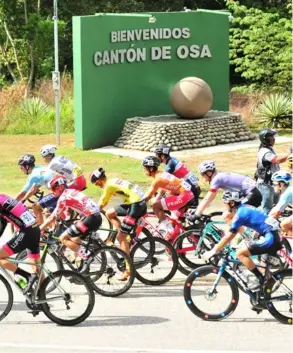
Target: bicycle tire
{"type": "Point", "coordinates": [152, 258]}
{"type": "Point", "coordinates": [73, 278]}
{"type": "Point", "coordinates": [202, 272]}
{"type": "Point", "coordinates": [9, 305]}
{"type": "Point", "coordinates": [185, 265]}
{"type": "Point", "coordinates": [107, 269]}
{"type": "Point", "coordinates": [270, 292]}
{"type": "Point", "coordinates": [288, 248]}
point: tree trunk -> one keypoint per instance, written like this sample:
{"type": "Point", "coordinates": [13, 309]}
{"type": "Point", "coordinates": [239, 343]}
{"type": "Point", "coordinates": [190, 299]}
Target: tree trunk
{"type": "Point", "coordinates": [14, 50]}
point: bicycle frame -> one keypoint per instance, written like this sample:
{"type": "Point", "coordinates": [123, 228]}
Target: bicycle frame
{"type": "Point", "coordinates": [43, 269]}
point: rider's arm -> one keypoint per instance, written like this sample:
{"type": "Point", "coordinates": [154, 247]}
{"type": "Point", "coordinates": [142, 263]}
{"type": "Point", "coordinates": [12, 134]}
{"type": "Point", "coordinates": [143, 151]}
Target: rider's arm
{"type": "Point", "coordinates": [30, 193]}
{"type": "Point", "coordinates": [271, 157]}
{"type": "Point", "coordinates": [284, 201]}
{"type": "Point", "coordinates": [20, 195]}
{"type": "Point", "coordinates": [275, 212]}
{"type": "Point", "coordinates": [151, 192]}
{"type": "Point", "coordinates": [225, 240]}
{"type": "Point", "coordinates": [235, 226]}
{"type": "Point", "coordinates": [52, 218]}
{"type": "Point", "coordinates": [26, 188]}
{"type": "Point", "coordinates": [210, 196]}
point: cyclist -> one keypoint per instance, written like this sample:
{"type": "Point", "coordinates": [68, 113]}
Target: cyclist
{"type": "Point", "coordinates": [26, 237]}
{"type": "Point", "coordinates": [180, 192]}
{"type": "Point", "coordinates": [227, 182]}
{"type": "Point", "coordinates": [267, 164]}
{"type": "Point", "coordinates": [68, 200]}
{"type": "Point", "coordinates": [37, 176]}
{"type": "Point", "coordinates": [281, 182]}
{"type": "Point", "coordinates": [249, 216]}
{"type": "Point", "coordinates": [65, 167]}
{"type": "Point", "coordinates": [178, 169]}
{"type": "Point", "coordinates": [132, 209]}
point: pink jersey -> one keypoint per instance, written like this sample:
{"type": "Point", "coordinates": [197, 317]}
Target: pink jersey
{"type": "Point", "coordinates": [77, 201]}
{"type": "Point", "coordinates": [15, 212]}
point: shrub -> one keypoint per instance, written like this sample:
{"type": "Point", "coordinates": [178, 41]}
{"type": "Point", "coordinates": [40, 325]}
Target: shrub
{"type": "Point", "coordinates": [275, 111]}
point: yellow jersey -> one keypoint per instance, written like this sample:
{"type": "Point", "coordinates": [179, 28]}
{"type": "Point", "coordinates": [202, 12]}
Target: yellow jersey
{"type": "Point", "coordinates": [129, 192]}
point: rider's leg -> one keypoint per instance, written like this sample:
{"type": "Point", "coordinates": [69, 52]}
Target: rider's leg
{"type": "Point", "coordinates": [111, 214]}
{"type": "Point", "coordinates": [38, 211]}
{"type": "Point", "coordinates": [243, 256]}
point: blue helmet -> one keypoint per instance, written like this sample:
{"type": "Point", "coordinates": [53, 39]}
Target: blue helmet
{"type": "Point", "coordinates": [281, 175]}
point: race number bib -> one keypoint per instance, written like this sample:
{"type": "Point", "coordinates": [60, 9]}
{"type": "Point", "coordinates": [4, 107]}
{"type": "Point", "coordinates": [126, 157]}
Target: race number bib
{"type": "Point", "coordinates": [248, 182]}
{"type": "Point", "coordinates": [28, 219]}
{"type": "Point", "coordinates": [138, 191]}
{"type": "Point", "coordinates": [192, 178]}
{"type": "Point", "coordinates": [185, 185]}
{"type": "Point", "coordinates": [272, 222]}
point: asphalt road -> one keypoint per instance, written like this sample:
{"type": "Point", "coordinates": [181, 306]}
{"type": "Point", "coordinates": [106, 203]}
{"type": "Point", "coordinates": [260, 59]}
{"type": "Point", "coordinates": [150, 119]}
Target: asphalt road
{"type": "Point", "coordinates": [145, 319]}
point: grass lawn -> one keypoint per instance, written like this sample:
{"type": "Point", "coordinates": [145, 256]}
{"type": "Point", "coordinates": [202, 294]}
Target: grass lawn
{"type": "Point", "coordinates": [12, 147]}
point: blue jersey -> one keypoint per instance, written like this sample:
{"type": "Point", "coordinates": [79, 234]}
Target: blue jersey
{"type": "Point", "coordinates": [253, 218]}
{"type": "Point", "coordinates": [39, 176]}
{"type": "Point", "coordinates": [179, 170]}
{"type": "Point", "coordinates": [285, 199]}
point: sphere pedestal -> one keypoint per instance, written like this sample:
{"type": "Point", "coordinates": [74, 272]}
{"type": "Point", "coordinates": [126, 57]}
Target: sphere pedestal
{"type": "Point", "coordinates": [216, 128]}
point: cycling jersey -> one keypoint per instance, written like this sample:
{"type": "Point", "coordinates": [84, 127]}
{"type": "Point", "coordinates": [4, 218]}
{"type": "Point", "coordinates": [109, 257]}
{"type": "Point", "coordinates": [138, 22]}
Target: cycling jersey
{"type": "Point", "coordinates": [77, 201]}
{"type": "Point", "coordinates": [253, 218]}
{"type": "Point", "coordinates": [285, 199]}
{"type": "Point", "coordinates": [179, 170]}
{"type": "Point", "coordinates": [130, 193]}
{"type": "Point", "coordinates": [65, 167]}
{"type": "Point", "coordinates": [232, 182]}
{"type": "Point", "coordinates": [168, 182]}
{"type": "Point", "coordinates": [39, 176]}
{"type": "Point", "coordinates": [15, 212]}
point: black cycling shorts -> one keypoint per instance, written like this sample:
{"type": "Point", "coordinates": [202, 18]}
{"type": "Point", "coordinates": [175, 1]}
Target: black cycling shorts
{"type": "Point", "coordinates": [195, 189]}
{"type": "Point", "coordinates": [131, 213]}
{"type": "Point", "coordinates": [26, 238]}
{"type": "Point", "coordinates": [269, 244]}
{"type": "Point", "coordinates": [253, 198]}
{"type": "Point", "coordinates": [85, 225]}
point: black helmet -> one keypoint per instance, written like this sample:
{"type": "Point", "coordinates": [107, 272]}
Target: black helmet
{"type": "Point", "coordinates": [151, 161]}
{"type": "Point", "coordinates": [96, 175]}
{"type": "Point", "coordinates": [162, 149]}
{"type": "Point", "coordinates": [265, 134]}
{"type": "Point", "coordinates": [26, 159]}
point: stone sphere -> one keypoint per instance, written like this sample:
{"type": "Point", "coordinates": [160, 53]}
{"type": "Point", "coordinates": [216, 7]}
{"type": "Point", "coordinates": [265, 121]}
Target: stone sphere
{"type": "Point", "coordinates": [191, 97]}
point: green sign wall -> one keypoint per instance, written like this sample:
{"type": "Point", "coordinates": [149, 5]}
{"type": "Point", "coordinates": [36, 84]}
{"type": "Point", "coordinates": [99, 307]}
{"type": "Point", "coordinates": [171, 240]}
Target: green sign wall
{"type": "Point", "coordinates": [125, 65]}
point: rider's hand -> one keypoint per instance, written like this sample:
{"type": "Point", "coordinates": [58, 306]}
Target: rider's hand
{"type": "Point", "coordinates": [208, 254]}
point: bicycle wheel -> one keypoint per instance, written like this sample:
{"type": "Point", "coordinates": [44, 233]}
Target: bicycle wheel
{"type": "Point", "coordinates": [278, 291]}
{"type": "Point", "coordinates": [107, 268]}
{"type": "Point", "coordinates": [206, 302]}
{"type": "Point", "coordinates": [6, 297]}
{"type": "Point", "coordinates": [153, 267]}
{"type": "Point", "coordinates": [107, 227]}
{"type": "Point", "coordinates": [286, 247]}
{"type": "Point", "coordinates": [186, 245]}
{"type": "Point", "coordinates": [75, 294]}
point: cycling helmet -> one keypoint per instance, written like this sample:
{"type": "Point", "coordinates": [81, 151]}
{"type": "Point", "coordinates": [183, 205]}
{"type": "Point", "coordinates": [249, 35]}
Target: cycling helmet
{"type": "Point", "coordinates": [206, 166]}
{"type": "Point", "coordinates": [162, 149]}
{"type": "Point", "coordinates": [47, 150]}
{"type": "Point", "coordinates": [265, 134]}
{"type": "Point", "coordinates": [56, 181]}
{"type": "Point", "coordinates": [281, 175]}
{"type": "Point", "coordinates": [290, 160]}
{"type": "Point", "coordinates": [26, 159]}
{"type": "Point", "coordinates": [96, 175]}
{"type": "Point", "coordinates": [235, 196]}
{"type": "Point", "coordinates": [151, 161]}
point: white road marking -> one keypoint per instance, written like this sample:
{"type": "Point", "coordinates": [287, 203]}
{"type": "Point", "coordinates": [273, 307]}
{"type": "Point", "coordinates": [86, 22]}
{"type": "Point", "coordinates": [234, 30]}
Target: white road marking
{"type": "Point", "coordinates": [111, 349]}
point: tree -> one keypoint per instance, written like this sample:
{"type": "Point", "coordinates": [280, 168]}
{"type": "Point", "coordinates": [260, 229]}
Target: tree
{"type": "Point", "coordinates": [260, 47]}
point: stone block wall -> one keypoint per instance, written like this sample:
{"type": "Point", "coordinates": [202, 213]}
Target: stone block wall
{"type": "Point", "coordinates": [216, 128]}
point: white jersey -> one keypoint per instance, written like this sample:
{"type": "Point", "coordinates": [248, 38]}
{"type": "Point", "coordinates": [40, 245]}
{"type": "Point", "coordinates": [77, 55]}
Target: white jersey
{"type": "Point", "coordinates": [65, 167]}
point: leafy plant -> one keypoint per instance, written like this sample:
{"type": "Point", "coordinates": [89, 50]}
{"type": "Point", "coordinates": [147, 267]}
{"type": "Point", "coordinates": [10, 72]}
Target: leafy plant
{"type": "Point", "coordinates": [275, 111]}
{"type": "Point", "coordinates": [33, 108]}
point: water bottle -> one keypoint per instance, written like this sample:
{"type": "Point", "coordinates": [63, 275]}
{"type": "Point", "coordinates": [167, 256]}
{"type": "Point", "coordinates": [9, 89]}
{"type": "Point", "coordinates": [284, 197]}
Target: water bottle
{"type": "Point", "coordinates": [20, 281]}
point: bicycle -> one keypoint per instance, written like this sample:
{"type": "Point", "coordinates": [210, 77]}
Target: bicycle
{"type": "Point", "coordinates": [225, 282]}
{"type": "Point", "coordinates": [51, 296]}
{"type": "Point", "coordinates": [106, 263]}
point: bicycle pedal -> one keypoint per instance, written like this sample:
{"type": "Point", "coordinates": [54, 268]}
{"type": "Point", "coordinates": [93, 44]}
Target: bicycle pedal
{"type": "Point", "coordinates": [34, 312]}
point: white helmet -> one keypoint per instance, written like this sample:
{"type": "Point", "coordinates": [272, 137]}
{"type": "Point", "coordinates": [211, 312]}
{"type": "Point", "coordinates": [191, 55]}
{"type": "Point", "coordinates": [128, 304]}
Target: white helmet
{"type": "Point", "coordinates": [206, 166]}
{"type": "Point", "coordinates": [48, 149]}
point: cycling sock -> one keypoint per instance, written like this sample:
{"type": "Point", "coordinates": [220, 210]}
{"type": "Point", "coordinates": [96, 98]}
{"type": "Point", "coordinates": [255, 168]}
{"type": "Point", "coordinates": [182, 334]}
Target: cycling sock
{"type": "Point", "coordinates": [22, 273]}
{"type": "Point", "coordinates": [257, 273]}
